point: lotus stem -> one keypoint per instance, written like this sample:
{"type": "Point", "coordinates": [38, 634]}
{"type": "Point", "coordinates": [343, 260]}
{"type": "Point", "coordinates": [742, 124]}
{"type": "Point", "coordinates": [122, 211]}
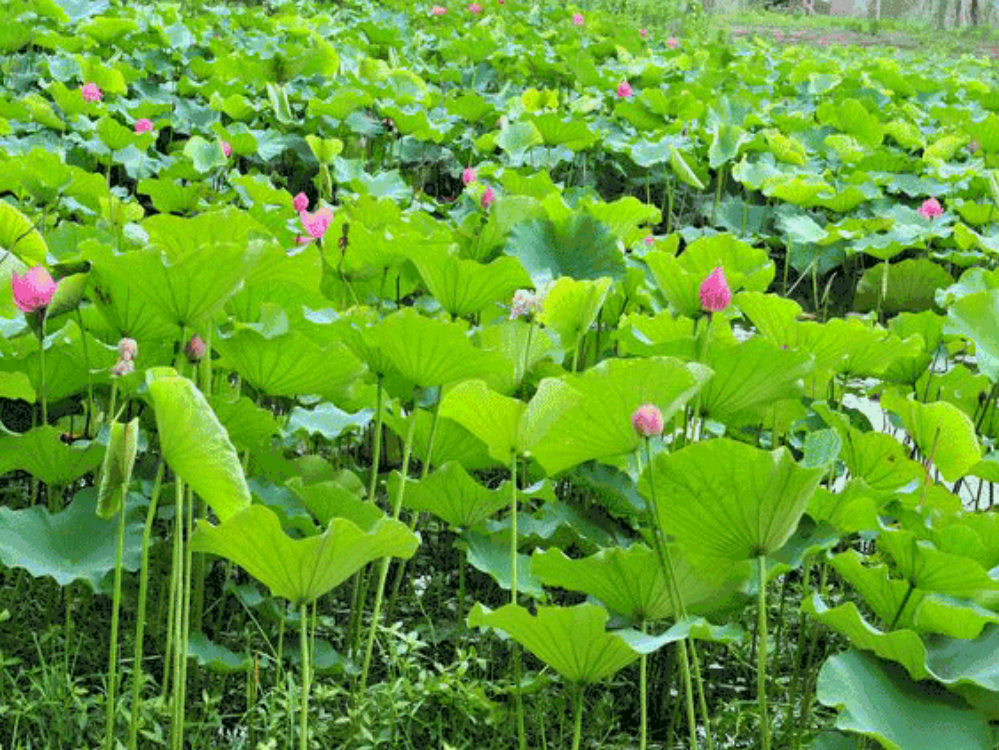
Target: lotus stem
{"type": "Point", "coordinates": [42, 391]}
{"type": "Point", "coordinates": [761, 655]}
{"type": "Point", "coordinates": [643, 690]}
{"type": "Point", "coordinates": [140, 617]}
{"type": "Point", "coordinates": [518, 698]}
{"type": "Point", "coordinates": [115, 613]}
{"type": "Point", "coordinates": [383, 571]}
{"type": "Point", "coordinates": [577, 724]}
{"type": "Point", "coordinates": [303, 631]}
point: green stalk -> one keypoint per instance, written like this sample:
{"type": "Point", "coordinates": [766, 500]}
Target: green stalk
{"type": "Point", "coordinates": [186, 616]}
{"type": "Point", "coordinates": [115, 613]}
{"type": "Point", "coordinates": [41, 368]}
{"type": "Point", "coordinates": [303, 631]}
{"type": "Point", "coordinates": [137, 675]}
{"type": "Point", "coordinates": [577, 724]}
{"type": "Point", "coordinates": [643, 690]}
{"type": "Point", "coordinates": [383, 571]}
{"type": "Point", "coordinates": [90, 381]}
{"type": "Point", "coordinates": [177, 619]}
{"type": "Point", "coordinates": [518, 697]}
{"type": "Point", "coordinates": [761, 655]}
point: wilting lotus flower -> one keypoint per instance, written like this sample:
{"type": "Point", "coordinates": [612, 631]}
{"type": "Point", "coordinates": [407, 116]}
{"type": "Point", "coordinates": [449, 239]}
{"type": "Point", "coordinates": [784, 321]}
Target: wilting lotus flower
{"type": "Point", "coordinates": [195, 349]}
{"type": "Point", "coordinates": [715, 294]}
{"type": "Point", "coordinates": [316, 224]}
{"type": "Point", "coordinates": [301, 202]}
{"type": "Point", "coordinates": [122, 368]}
{"type": "Point", "coordinates": [930, 208]}
{"type": "Point", "coordinates": [623, 90]}
{"type": "Point", "coordinates": [525, 304]}
{"type": "Point", "coordinates": [468, 176]}
{"type": "Point", "coordinates": [577, 18]}
{"type": "Point", "coordinates": [226, 148]}
{"type": "Point", "coordinates": [438, 10]}
{"type": "Point", "coordinates": [91, 93]}
{"type": "Point", "coordinates": [143, 126]}
{"type": "Point", "coordinates": [647, 421]}
{"type": "Point", "coordinates": [128, 349]}
{"type": "Point", "coordinates": [34, 290]}
{"type": "Point", "coordinates": [672, 42]}
{"type": "Point", "coordinates": [488, 197]}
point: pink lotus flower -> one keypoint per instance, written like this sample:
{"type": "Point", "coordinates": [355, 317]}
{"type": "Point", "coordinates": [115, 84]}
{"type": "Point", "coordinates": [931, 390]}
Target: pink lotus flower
{"type": "Point", "coordinates": [525, 304]}
{"type": "Point", "coordinates": [648, 421]}
{"type": "Point", "coordinates": [577, 18]}
{"type": "Point", "coordinates": [475, 8]}
{"type": "Point", "coordinates": [623, 90]}
{"type": "Point", "coordinates": [316, 224]}
{"type": "Point", "coordinates": [195, 349]}
{"type": "Point", "coordinates": [122, 368]}
{"type": "Point", "coordinates": [930, 208]}
{"type": "Point", "coordinates": [649, 240]}
{"type": "Point", "coordinates": [715, 294]}
{"type": "Point", "coordinates": [643, 33]}
{"type": "Point", "coordinates": [128, 349]}
{"type": "Point", "coordinates": [672, 42]}
{"type": "Point", "coordinates": [488, 197]}
{"type": "Point", "coordinates": [438, 10]}
{"type": "Point", "coordinates": [34, 290]}
{"type": "Point", "coordinates": [226, 148]}
{"type": "Point", "coordinates": [301, 202]}
{"type": "Point", "coordinates": [143, 126]}
{"type": "Point", "coordinates": [91, 93]}
{"type": "Point", "coordinates": [468, 176]}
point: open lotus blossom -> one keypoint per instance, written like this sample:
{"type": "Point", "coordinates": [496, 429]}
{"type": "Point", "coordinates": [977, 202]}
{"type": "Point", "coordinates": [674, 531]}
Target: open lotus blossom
{"type": "Point", "coordinates": [525, 304]}
{"type": "Point", "coordinates": [468, 176]}
{"type": "Point", "coordinates": [715, 294]}
{"type": "Point", "coordinates": [301, 202]}
{"type": "Point", "coordinates": [195, 349]}
{"type": "Point", "coordinates": [91, 93]}
{"type": "Point", "coordinates": [143, 126]}
{"type": "Point", "coordinates": [672, 42]}
{"type": "Point", "coordinates": [577, 18]}
{"type": "Point", "coordinates": [488, 197]}
{"type": "Point", "coordinates": [34, 290]}
{"type": "Point", "coordinates": [643, 33]}
{"type": "Point", "coordinates": [624, 90]}
{"type": "Point", "coordinates": [648, 421]}
{"type": "Point", "coordinates": [316, 224]}
{"type": "Point", "coordinates": [475, 8]}
{"type": "Point", "coordinates": [438, 10]}
{"type": "Point", "coordinates": [930, 208]}
{"type": "Point", "coordinates": [128, 349]}
{"type": "Point", "coordinates": [226, 148]}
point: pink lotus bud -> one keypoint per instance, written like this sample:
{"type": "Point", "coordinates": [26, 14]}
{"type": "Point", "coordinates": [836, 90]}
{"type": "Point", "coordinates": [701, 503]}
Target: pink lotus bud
{"type": "Point", "coordinates": [643, 33]}
{"type": "Point", "coordinates": [715, 294]}
{"type": "Point", "coordinates": [195, 349]}
{"type": "Point", "coordinates": [143, 126]}
{"type": "Point", "coordinates": [438, 10]}
{"type": "Point", "coordinates": [672, 42]}
{"type": "Point", "coordinates": [91, 93]}
{"type": "Point", "coordinates": [623, 90]}
{"type": "Point", "coordinates": [226, 148]}
{"type": "Point", "coordinates": [648, 421]}
{"type": "Point", "coordinates": [488, 197]}
{"type": "Point", "coordinates": [930, 208]}
{"type": "Point", "coordinates": [128, 349]}
{"type": "Point", "coordinates": [577, 18]}
{"type": "Point", "coordinates": [34, 290]}
{"type": "Point", "coordinates": [316, 224]}
{"type": "Point", "coordinates": [650, 240]}
{"type": "Point", "coordinates": [122, 368]}
{"type": "Point", "coordinates": [468, 176]}
{"type": "Point", "coordinates": [301, 202]}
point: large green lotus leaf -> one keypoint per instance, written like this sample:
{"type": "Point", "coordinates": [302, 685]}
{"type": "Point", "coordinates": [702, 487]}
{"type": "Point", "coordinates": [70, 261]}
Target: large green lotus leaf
{"type": "Point", "coordinates": [970, 535]}
{"type": "Point", "coordinates": [626, 217]}
{"type": "Point", "coordinates": [961, 664]}
{"type": "Point", "coordinates": [41, 453]}
{"type": "Point", "coordinates": [729, 500]}
{"type": "Point", "coordinates": [631, 581]}
{"type": "Point", "coordinates": [571, 640]}
{"type": "Point", "coordinates": [976, 315]}
{"type": "Point", "coordinates": [452, 495]}
{"type": "Point", "coordinates": [217, 658]}
{"type": "Point", "coordinates": [518, 137]}
{"type": "Point", "coordinates": [851, 510]}
{"type": "Point", "coordinates": [851, 117]}
{"type": "Point", "coordinates": [507, 425]}
{"type": "Point", "coordinates": [726, 141]}
{"type": "Point", "coordinates": [491, 555]}
{"type": "Point", "coordinates": [771, 315]}
{"type": "Point", "coordinates": [752, 374]}
{"type": "Point", "coordinates": [522, 343]}
{"type": "Point", "coordinates": [300, 570]}
{"type": "Point", "coordinates": [431, 352]}
{"type": "Point", "coordinates": [116, 472]}
{"type": "Point", "coordinates": [126, 310]}
{"type": "Point", "coordinates": [580, 247]}
{"type": "Point", "coordinates": [662, 335]}
{"type": "Point", "coordinates": [19, 236]}
{"type": "Point", "coordinates": [336, 498]}
{"type": "Point", "coordinates": [195, 444]}
{"type": "Point", "coordinates": [886, 596]}
{"type": "Point", "coordinates": [571, 307]}
{"type": "Point", "coordinates": [599, 425]}
{"type": "Point", "coordinates": [901, 646]}
{"type": "Point", "coordinates": [170, 196]}
{"type": "Point", "coordinates": [574, 134]}
{"type": "Point", "coordinates": [877, 699]}
{"type": "Point", "coordinates": [943, 433]}
{"type": "Point", "coordinates": [692, 627]}
{"type": "Point", "coordinates": [289, 364]}
{"type": "Point", "coordinates": [926, 567]}
{"type": "Point", "coordinates": [912, 285]}
{"type": "Point", "coordinates": [452, 442]}
{"type": "Point", "coordinates": [464, 287]}
{"type": "Point", "coordinates": [680, 278]}
{"type": "Point", "coordinates": [73, 545]}
{"type": "Point", "coordinates": [682, 169]}
{"type": "Point", "coordinates": [250, 427]}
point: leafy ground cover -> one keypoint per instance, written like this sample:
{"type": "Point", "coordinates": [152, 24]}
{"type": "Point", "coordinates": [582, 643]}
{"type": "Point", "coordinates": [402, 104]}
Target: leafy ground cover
{"type": "Point", "coordinates": [488, 376]}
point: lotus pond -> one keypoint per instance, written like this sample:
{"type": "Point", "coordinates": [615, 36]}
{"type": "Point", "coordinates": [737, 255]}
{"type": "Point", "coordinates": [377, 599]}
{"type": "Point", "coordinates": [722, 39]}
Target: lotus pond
{"type": "Point", "coordinates": [391, 375]}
